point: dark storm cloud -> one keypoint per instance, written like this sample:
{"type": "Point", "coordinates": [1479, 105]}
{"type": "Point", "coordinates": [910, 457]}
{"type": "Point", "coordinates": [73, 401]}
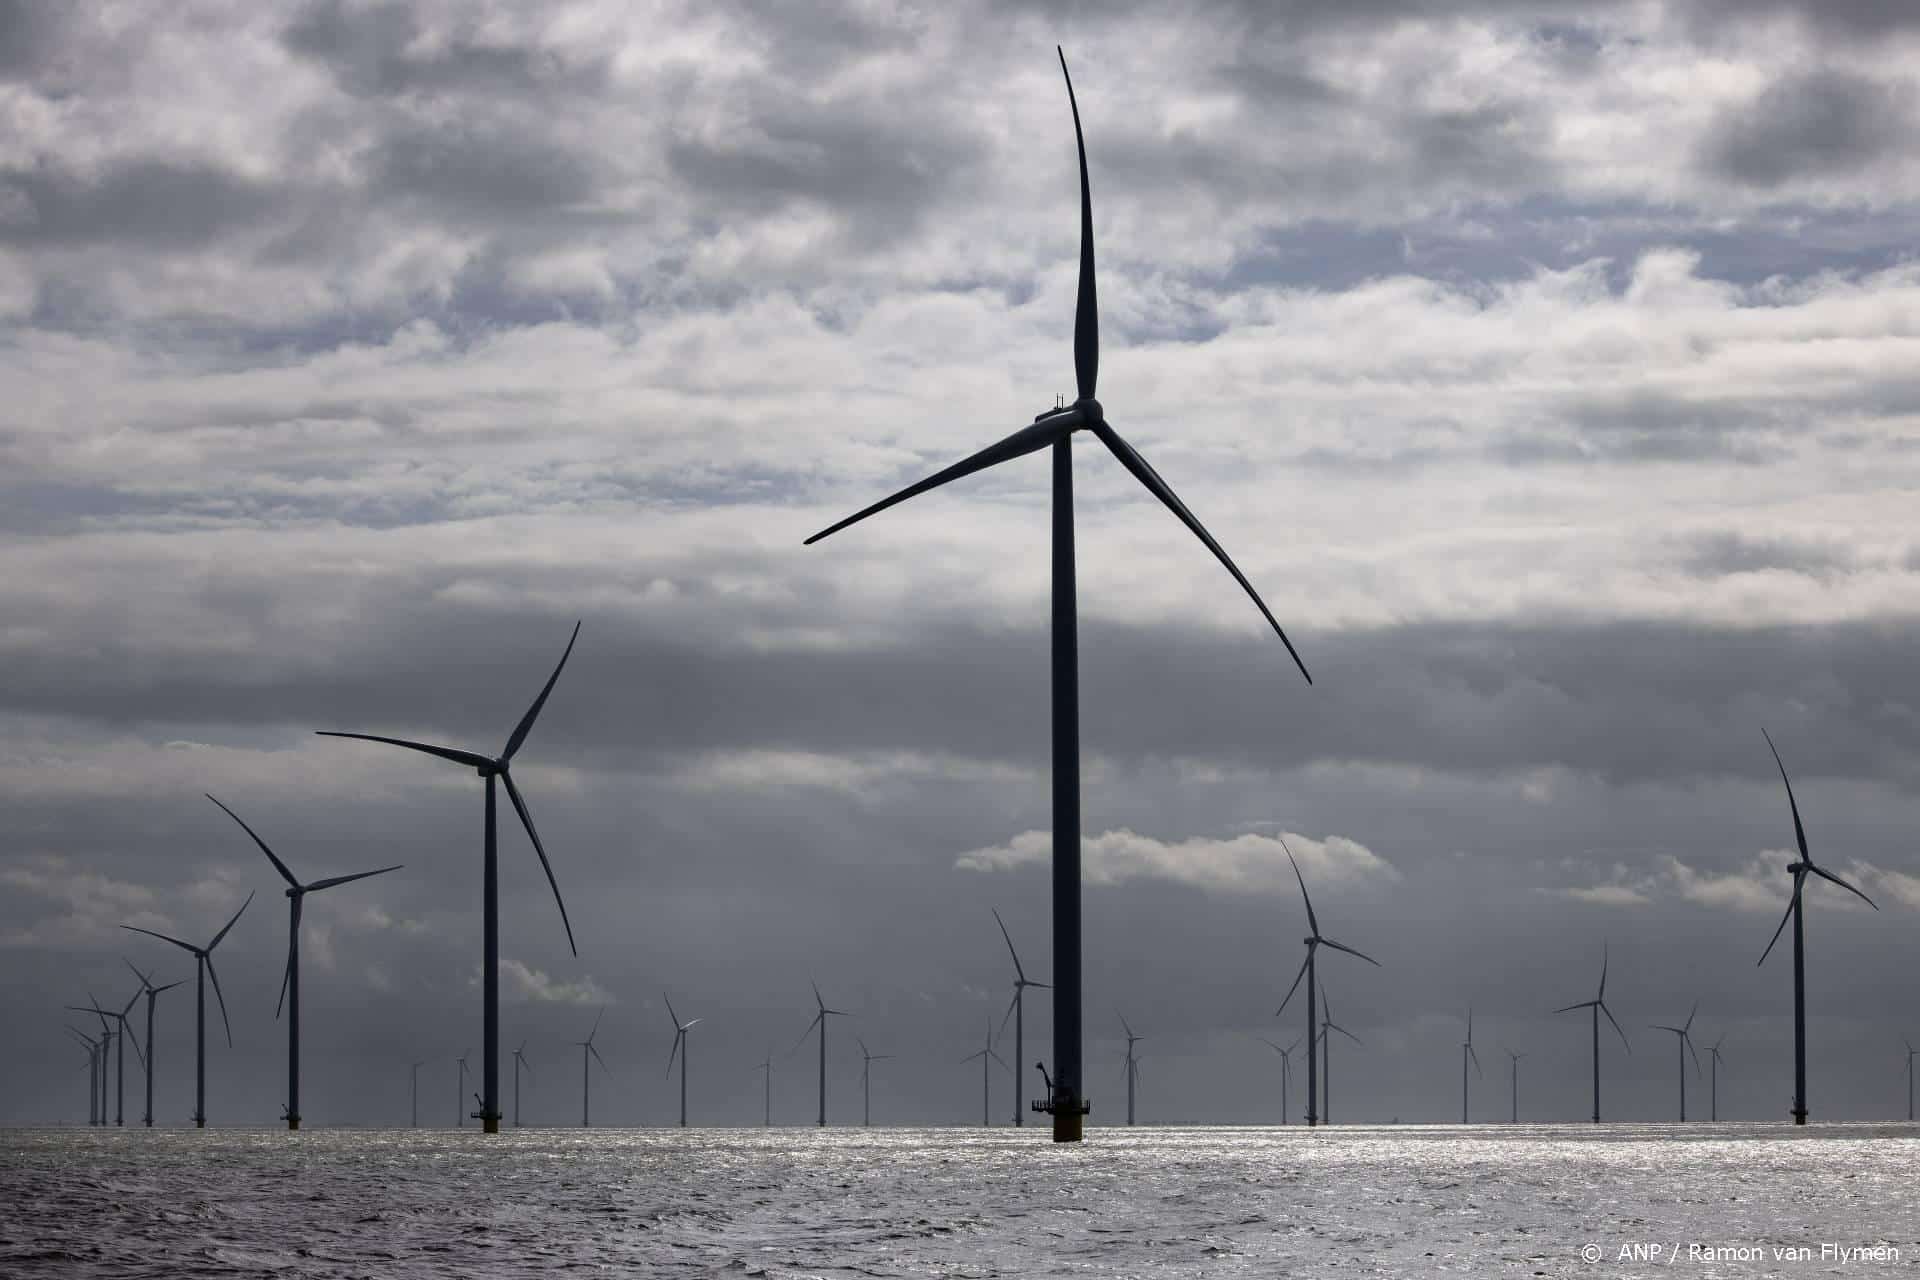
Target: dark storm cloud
{"type": "Point", "coordinates": [480, 174]}
{"type": "Point", "coordinates": [1821, 124]}
{"type": "Point", "coordinates": [1729, 552]}
{"type": "Point", "coordinates": [368, 50]}
{"type": "Point", "coordinates": [152, 202]}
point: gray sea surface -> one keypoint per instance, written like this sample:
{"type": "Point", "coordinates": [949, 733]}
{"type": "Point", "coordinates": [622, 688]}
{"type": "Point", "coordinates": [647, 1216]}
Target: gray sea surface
{"type": "Point", "coordinates": [1396, 1200]}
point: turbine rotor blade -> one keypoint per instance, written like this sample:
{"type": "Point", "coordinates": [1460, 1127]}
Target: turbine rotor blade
{"type": "Point", "coordinates": [1824, 874]}
{"type": "Point", "coordinates": [1019, 973]}
{"type": "Point", "coordinates": [215, 975]}
{"type": "Point", "coordinates": [1086, 314]}
{"type": "Point", "coordinates": [1329, 942]}
{"type": "Point", "coordinates": [331, 881]}
{"type": "Point", "coordinates": [1295, 987]}
{"type": "Point", "coordinates": [1026, 440]}
{"type": "Point", "coordinates": [678, 1036]}
{"type": "Point", "coordinates": [1616, 1024]}
{"type": "Point", "coordinates": [1584, 1004]}
{"type": "Point", "coordinates": [1312, 923]}
{"type": "Point", "coordinates": [1007, 1016]}
{"type": "Point", "coordinates": [1343, 1031]}
{"type": "Point", "coordinates": [671, 1015]}
{"type": "Point", "coordinates": [1793, 901]}
{"type": "Point", "coordinates": [1143, 472]}
{"type": "Point", "coordinates": [184, 946]}
{"type": "Point", "coordinates": [473, 760]}
{"type": "Point", "coordinates": [1799, 832]}
{"type": "Point", "coordinates": [525, 726]}
{"type": "Point", "coordinates": [278, 865]}
{"type": "Point", "coordinates": [526, 820]}
{"type": "Point", "coordinates": [1476, 1060]}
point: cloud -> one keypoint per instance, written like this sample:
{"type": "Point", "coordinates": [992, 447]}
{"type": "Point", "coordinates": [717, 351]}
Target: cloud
{"type": "Point", "coordinates": [1246, 863]}
{"type": "Point", "coordinates": [519, 983]}
{"type": "Point", "coordinates": [1759, 887]}
{"type": "Point", "coordinates": [88, 908]}
{"type": "Point", "coordinates": [1815, 125]}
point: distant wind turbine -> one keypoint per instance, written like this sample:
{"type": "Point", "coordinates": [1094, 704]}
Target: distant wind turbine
{"type": "Point", "coordinates": [1685, 1032]}
{"type": "Point", "coordinates": [460, 1089]}
{"type": "Point", "coordinates": [767, 1066]}
{"type": "Point", "coordinates": [203, 967]}
{"type": "Point", "coordinates": [1314, 941]}
{"type": "Point", "coordinates": [152, 993]}
{"type": "Point", "coordinates": [1053, 429]}
{"type": "Point", "coordinates": [519, 1061]}
{"type": "Point", "coordinates": [94, 1108]}
{"type": "Point", "coordinates": [1018, 1009]}
{"type": "Point", "coordinates": [1599, 1006]}
{"type": "Point", "coordinates": [1800, 870]}
{"type": "Point", "coordinates": [1515, 1117]}
{"type": "Point", "coordinates": [1286, 1071]}
{"type": "Point", "coordinates": [290, 980]}
{"type": "Point", "coordinates": [1132, 1064]}
{"type": "Point", "coordinates": [120, 1050]}
{"type": "Point", "coordinates": [1713, 1080]}
{"type": "Point", "coordinates": [1911, 1051]}
{"type": "Point", "coordinates": [820, 1021]}
{"type": "Point", "coordinates": [867, 1059]}
{"type": "Point", "coordinates": [491, 768]}
{"type": "Point", "coordinates": [987, 1058]}
{"type": "Point", "coordinates": [1327, 1026]}
{"type": "Point", "coordinates": [680, 1047]}
{"type": "Point", "coordinates": [1467, 1054]}
{"type": "Point", "coordinates": [415, 1094]}
{"type": "Point", "coordinates": [586, 1080]}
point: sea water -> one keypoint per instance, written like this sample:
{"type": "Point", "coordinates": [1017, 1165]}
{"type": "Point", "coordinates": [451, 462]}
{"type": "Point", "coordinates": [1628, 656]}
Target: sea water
{"type": "Point", "coordinates": [1398, 1200]}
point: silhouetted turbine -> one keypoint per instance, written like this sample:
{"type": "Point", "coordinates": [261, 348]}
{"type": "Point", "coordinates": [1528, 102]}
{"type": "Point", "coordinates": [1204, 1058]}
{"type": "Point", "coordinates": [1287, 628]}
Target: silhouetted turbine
{"type": "Point", "coordinates": [867, 1060]}
{"type": "Point", "coordinates": [1800, 870]}
{"type": "Point", "coordinates": [819, 1020]}
{"type": "Point", "coordinates": [1685, 1047]}
{"type": "Point", "coordinates": [1515, 1117]}
{"type": "Point", "coordinates": [679, 1047]}
{"type": "Point", "coordinates": [586, 1078]}
{"type": "Point", "coordinates": [1911, 1051]}
{"type": "Point", "coordinates": [767, 1066]}
{"type": "Point", "coordinates": [1132, 1064]}
{"type": "Point", "coordinates": [93, 1048]}
{"type": "Point", "coordinates": [120, 1049]}
{"type": "Point", "coordinates": [519, 1061]}
{"type": "Point", "coordinates": [106, 1048]}
{"type": "Point", "coordinates": [1327, 1025]}
{"type": "Point", "coordinates": [460, 1089]}
{"type": "Point", "coordinates": [414, 1096]}
{"type": "Point", "coordinates": [290, 979]}
{"type": "Point", "coordinates": [1599, 1006]}
{"type": "Point", "coordinates": [203, 968]}
{"type": "Point", "coordinates": [1314, 941]}
{"type": "Point", "coordinates": [1713, 1080]}
{"type": "Point", "coordinates": [1054, 428]}
{"type": "Point", "coordinates": [987, 1058]}
{"type": "Point", "coordinates": [490, 768]}
{"type": "Point", "coordinates": [1286, 1071]}
{"type": "Point", "coordinates": [1467, 1054]}
{"type": "Point", "coordinates": [152, 993]}
{"type": "Point", "coordinates": [1017, 1007]}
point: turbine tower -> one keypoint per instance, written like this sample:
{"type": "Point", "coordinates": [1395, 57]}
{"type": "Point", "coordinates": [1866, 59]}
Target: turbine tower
{"type": "Point", "coordinates": [414, 1096]}
{"type": "Point", "coordinates": [987, 1058]}
{"type": "Point", "coordinates": [1053, 429]}
{"type": "Point", "coordinates": [1515, 1117]}
{"type": "Point", "coordinates": [586, 1080]}
{"type": "Point", "coordinates": [1713, 1080]}
{"type": "Point", "coordinates": [1467, 1055]}
{"type": "Point", "coordinates": [1017, 1008]}
{"type": "Point", "coordinates": [519, 1061]}
{"type": "Point", "coordinates": [1599, 1006]}
{"type": "Point", "coordinates": [1800, 870]}
{"type": "Point", "coordinates": [680, 1047]}
{"type": "Point", "coordinates": [119, 1050]}
{"type": "Point", "coordinates": [819, 1020]}
{"type": "Point", "coordinates": [93, 1072]}
{"type": "Point", "coordinates": [152, 993]}
{"type": "Point", "coordinates": [1286, 1071]}
{"type": "Point", "coordinates": [1685, 1032]}
{"type": "Point", "coordinates": [492, 769]}
{"type": "Point", "coordinates": [203, 966]}
{"type": "Point", "coordinates": [290, 980]}
{"type": "Point", "coordinates": [97, 1113]}
{"type": "Point", "coordinates": [767, 1066]}
{"type": "Point", "coordinates": [867, 1060]}
{"type": "Point", "coordinates": [1314, 941]}
{"type": "Point", "coordinates": [1911, 1051]}
{"type": "Point", "coordinates": [460, 1089]}
{"type": "Point", "coordinates": [1327, 1025]}
{"type": "Point", "coordinates": [1132, 1063]}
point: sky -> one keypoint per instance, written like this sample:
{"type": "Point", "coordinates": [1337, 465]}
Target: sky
{"type": "Point", "coordinates": [1549, 368]}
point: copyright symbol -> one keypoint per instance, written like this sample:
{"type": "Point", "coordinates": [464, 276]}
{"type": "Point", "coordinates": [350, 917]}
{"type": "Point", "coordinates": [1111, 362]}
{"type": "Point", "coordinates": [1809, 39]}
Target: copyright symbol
{"type": "Point", "coordinates": [1590, 1253]}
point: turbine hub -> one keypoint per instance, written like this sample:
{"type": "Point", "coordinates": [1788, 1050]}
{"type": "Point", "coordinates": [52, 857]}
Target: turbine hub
{"type": "Point", "coordinates": [491, 768]}
{"type": "Point", "coordinates": [1091, 414]}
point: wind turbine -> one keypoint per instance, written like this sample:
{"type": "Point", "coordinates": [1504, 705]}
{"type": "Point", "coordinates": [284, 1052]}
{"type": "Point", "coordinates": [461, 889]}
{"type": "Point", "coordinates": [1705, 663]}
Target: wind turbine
{"type": "Point", "coordinates": [681, 1047]}
{"type": "Point", "coordinates": [491, 768]}
{"type": "Point", "coordinates": [819, 1020]}
{"type": "Point", "coordinates": [415, 1096]}
{"type": "Point", "coordinates": [1515, 1118]}
{"type": "Point", "coordinates": [1467, 1054]}
{"type": "Point", "coordinates": [1327, 1025]}
{"type": "Point", "coordinates": [1132, 1063]}
{"type": "Point", "coordinates": [1053, 429]}
{"type": "Point", "coordinates": [290, 980]}
{"type": "Point", "coordinates": [203, 966]}
{"type": "Point", "coordinates": [1314, 941]}
{"type": "Point", "coordinates": [106, 1046]}
{"type": "Point", "coordinates": [1599, 1006]}
{"type": "Point", "coordinates": [93, 1072]}
{"type": "Point", "coordinates": [519, 1061]}
{"type": "Point", "coordinates": [987, 1058]}
{"type": "Point", "coordinates": [120, 1052]}
{"type": "Point", "coordinates": [1018, 1010]}
{"type": "Point", "coordinates": [767, 1066]}
{"type": "Point", "coordinates": [1713, 1079]}
{"type": "Point", "coordinates": [1800, 870]}
{"type": "Point", "coordinates": [152, 993]}
{"type": "Point", "coordinates": [586, 1081]}
{"type": "Point", "coordinates": [460, 1089]}
{"type": "Point", "coordinates": [867, 1060]}
{"type": "Point", "coordinates": [1911, 1051]}
{"type": "Point", "coordinates": [1286, 1071]}
{"type": "Point", "coordinates": [1685, 1032]}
